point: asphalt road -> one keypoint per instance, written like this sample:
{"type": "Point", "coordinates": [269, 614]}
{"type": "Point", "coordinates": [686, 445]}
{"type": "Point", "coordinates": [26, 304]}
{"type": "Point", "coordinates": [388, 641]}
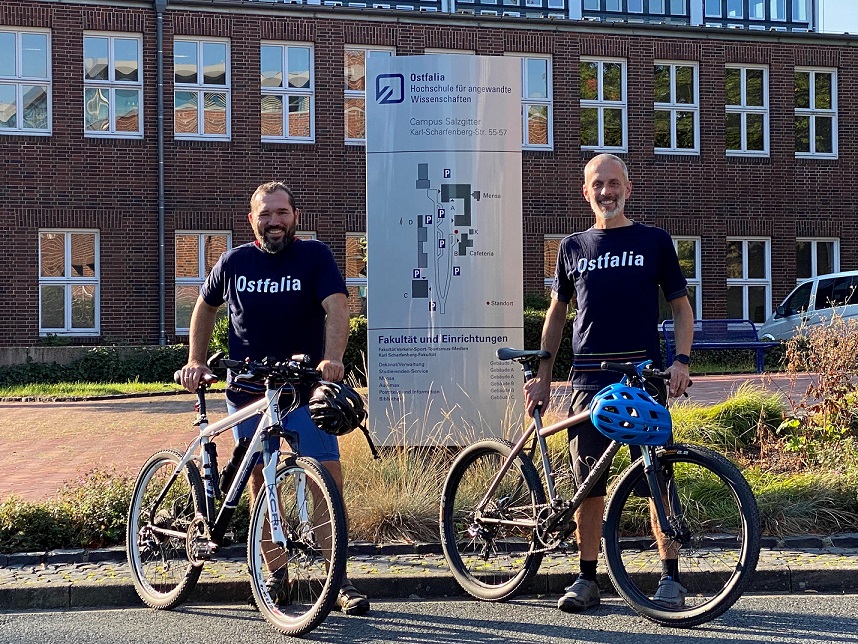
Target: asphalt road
{"type": "Point", "coordinates": [776, 619]}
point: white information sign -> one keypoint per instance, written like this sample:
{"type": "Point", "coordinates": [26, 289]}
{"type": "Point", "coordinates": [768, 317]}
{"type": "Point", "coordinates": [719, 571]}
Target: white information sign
{"type": "Point", "coordinates": [444, 253]}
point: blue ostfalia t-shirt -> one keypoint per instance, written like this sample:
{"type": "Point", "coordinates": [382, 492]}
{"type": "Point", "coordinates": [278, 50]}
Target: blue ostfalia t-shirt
{"type": "Point", "coordinates": [274, 300]}
{"type": "Point", "coordinates": [615, 275]}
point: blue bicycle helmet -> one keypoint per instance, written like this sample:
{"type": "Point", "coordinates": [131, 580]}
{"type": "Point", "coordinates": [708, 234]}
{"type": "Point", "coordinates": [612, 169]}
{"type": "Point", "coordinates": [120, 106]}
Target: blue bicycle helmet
{"type": "Point", "coordinates": [630, 415]}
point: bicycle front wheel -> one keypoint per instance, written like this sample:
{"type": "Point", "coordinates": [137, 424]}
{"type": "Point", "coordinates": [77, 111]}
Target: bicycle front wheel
{"type": "Point", "coordinates": [162, 573]}
{"type": "Point", "coordinates": [491, 551]}
{"type": "Point", "coordinates": [295, 584]}
{"type": "Point", "coordinates": [710, 505]}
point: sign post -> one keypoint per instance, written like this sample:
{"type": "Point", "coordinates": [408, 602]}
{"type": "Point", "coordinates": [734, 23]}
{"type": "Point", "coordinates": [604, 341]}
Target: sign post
{"type": "Point", "coordinates": [444, 246]}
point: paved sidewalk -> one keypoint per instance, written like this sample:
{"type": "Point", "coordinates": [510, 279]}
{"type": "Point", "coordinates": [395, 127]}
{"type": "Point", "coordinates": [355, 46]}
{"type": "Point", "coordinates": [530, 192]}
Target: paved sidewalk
{"type": "Point", "coordinates": [101, 578]}
{"type": "Point", "coordinates": [46, 444]}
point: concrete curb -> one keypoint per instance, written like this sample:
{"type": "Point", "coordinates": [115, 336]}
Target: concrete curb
{"type": "Point", "coordinates": [100, 578]}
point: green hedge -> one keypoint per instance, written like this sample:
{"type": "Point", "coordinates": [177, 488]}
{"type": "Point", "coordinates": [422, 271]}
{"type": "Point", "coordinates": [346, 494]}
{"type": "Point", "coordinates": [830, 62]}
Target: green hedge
{"type": "Point", "coordinates": [102, 364]}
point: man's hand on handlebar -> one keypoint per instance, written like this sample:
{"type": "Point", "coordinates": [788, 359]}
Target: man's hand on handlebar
{"type": "Point", "coordinates": [537, 393]}
{"type": "Point", "coordinates": [192, 373]}
{"type": "Point", "coordinates": [679, 380]}
{"type": "Point", "coordinates": [332, 370]}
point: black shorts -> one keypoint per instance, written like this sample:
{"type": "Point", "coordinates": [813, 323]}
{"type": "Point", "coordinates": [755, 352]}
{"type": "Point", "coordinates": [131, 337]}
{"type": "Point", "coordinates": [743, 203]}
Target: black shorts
{"type": "Point", "coordinates": [587, 444]}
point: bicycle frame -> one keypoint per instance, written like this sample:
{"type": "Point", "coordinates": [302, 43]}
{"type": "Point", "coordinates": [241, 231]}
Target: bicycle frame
{"type": "Point", "coordinates": [269, 424]}
{"type": "Point", "coordinates": [567, 507]}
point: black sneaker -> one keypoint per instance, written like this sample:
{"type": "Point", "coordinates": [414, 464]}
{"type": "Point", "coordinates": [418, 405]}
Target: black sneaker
{"type": "Point", "coordinates": [277, 585]}
{"type": "Point", "coordinates": [350, 601]}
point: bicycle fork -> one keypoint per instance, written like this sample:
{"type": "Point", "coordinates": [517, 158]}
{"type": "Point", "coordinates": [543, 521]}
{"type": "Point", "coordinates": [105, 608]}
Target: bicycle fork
{"type": "Point", "coordinates": [673, 527]}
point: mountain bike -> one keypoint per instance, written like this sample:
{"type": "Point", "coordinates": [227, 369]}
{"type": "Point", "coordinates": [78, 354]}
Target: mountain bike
{"type": "Point", "coordinates": [674, 501]}
{"type": "Point", "coordinates": [297, 541]}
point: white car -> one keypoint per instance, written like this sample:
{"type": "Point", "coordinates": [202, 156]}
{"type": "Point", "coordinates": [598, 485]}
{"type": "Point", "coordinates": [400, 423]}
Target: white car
{"type": "Point", "coordinates": [811, 303]}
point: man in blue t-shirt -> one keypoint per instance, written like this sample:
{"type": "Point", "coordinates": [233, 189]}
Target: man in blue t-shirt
{"type": "Point", "coordinates": [285, 296]}
{"type": "Point", "coordinates": [614, 271]}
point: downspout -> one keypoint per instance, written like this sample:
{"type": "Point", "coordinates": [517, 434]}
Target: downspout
{"type": "Point", "coordinates": [160, 7]}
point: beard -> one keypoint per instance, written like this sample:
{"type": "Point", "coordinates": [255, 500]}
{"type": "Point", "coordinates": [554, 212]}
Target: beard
{"type": "Point", "coordinates": [276, 245]}
{"type": "Point", "coordinates": [617, 209]}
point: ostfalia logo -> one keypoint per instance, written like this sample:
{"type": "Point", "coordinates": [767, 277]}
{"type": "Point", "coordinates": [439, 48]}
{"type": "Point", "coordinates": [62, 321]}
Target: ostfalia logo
{"type": "Point", "coordinates": [389, 88]}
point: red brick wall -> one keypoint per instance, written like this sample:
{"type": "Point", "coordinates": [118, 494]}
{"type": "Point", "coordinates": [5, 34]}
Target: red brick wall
{"type": "Point", "coordinates": [66, 180]}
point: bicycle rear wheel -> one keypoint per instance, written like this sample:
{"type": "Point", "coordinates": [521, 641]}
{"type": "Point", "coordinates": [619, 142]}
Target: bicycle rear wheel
{"type": "Point", "coordinates": [162, 573]}
{"type": "Point", "coordinates": [491, 553]}
{"type": "Point", "coordinates": [711, 505]}
{"type": "Point", "coordinates": [295, 584]}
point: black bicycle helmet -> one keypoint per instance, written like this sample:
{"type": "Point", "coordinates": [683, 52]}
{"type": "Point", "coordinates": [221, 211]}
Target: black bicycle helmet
{"type": "Point", "coordinates": [336, 408]}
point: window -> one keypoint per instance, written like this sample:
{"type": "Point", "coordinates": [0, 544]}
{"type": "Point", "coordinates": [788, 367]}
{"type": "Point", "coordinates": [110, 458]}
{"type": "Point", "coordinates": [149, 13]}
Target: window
{"type": "Point", "coordinates": [712, 8]}
{"type": "Point", "coordinates": [778, 10]}
{"type": "Point", "coordinates": [837, 291]}
{"type": "Point", "coordinates": [799, 10]}
{"type": "Point", "coordinates": [112, 86]}
{"type": "Point", "coordinates": [677, 7]}
{"type": "Point", "coordinates": [749, 279]}
{"type": "Point", "coordinates": [356, 272]}
{"type": "Point", "coordinates": [676, 123]}
{"type": "Point", "coordinates": [603, 105]}
{"type": "Point", "coordinates": [656, 6]}
{"type": "Point", "coordinates": [550, 248]}
{"type": "Point", "coordinates": [635, 6]}
{"type": "Point", "coordinates": [25, 82]}
{"type": "Point", "coordinates": [288, 86]}
{"type": "Point", "coordinates": [756, 9]}
{"type": "Point", "coordinates": [356, 59]}
{"type": "Point", "coordinates": [799, 300]}
{"type": "Point", "coordinates": [196, 254]}
{"type": "Point", "coordinates": [68, 282]}
{"type": "Point", "coordinates": [202, 93]}
{"type": "Point", "coordinates": [747, 104]}
{"type": "Point", "coordinates": [688, 252]}
{"type": "Point", "coordinates": [816, 257]}
{"type": "Point", "coordinates": [815, 113]}
{"type": "Point", "coordinates": [537, 130]}
{"type": "Point", "coordinates": [735, 9]}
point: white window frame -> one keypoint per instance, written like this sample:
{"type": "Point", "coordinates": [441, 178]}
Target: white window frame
{"type": "Point", "coordinates": [548, 280]}
{"type": "Point", "coordinates": [68, 282]}
{"type": "Point", "coordinates": [744, 110]}
{"type": "Point", "coordinates": [812, 113]}
{"type": "Point", "coordinates": [360, 283]}
{"type": "Point", "coordinates": [19, 81]}
{"type": "Point", "coordinates": [201, 268]}
{"type": "Point", "coordinates": [201, 89]}
{"type": "Point", "coordinates": [600, 105]}
{"type": "Point", "coordinates": [527, 102]}
{"type": "Point", "coordinates": [744, 282]}
{"type": "Point", "coordinates": [444, 51]}
{"type": "Point", "coordinates": [286, 92]}
{"type": "Point", "coordinates": [697, 280]}
{"type": "Point", "coordinates": [110, 86]}
{"type": "Point", "coordinates": [814, 241]}
{"type": "Point", "coordinates": [673, 107]}
{"type": "Point", "coordinates": [357, 94]}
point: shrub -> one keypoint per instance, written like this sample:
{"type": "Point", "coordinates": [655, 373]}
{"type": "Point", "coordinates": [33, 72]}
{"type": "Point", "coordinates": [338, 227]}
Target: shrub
{"type": "Point", "coordinates": [102, 364]}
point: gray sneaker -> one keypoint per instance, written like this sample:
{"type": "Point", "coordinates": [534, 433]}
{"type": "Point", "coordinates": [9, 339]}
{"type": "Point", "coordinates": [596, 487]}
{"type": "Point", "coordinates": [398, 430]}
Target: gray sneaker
{"type": "Point", "coordinates": [670, 594]}
{"type": "Point", "coordinates": [581, 595]}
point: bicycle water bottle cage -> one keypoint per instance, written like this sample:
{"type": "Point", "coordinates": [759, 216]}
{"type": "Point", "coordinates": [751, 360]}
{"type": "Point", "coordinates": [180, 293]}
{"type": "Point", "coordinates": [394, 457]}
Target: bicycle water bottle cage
{"type": "Point", "coordinates": [630, 415]}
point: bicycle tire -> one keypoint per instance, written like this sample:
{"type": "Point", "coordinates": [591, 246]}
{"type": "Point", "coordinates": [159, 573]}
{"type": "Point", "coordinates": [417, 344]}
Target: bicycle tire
{"type": "Point", "coordinates": [490, 561]}
{"type": "Point", "coordinates": [716, 561]}
{"type": "Point", "coordinates": [162, 573]}
{"type": "Point", "coordinates": [313, 563]}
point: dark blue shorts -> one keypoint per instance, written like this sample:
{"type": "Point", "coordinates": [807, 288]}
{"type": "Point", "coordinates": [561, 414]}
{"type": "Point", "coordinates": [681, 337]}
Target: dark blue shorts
{"type": "Point", "coordinates": [313, 441]}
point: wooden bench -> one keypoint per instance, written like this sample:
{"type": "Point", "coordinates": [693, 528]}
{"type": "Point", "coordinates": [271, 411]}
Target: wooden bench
{"type": "Point", "coordinates": [720, 334]}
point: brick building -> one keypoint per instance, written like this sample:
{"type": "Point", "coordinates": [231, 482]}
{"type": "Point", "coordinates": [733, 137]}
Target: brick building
{"type": "Point", "coordinates": [741, 142]}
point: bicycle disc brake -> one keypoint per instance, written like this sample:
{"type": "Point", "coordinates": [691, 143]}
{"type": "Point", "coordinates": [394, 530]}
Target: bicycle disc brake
{"type": "Point", "coordinates": [200, 546]}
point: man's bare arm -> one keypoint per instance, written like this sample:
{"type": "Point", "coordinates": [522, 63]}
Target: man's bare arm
{"type": "Point", "coordinates": [336, 336]}
{"type": "Point", "coordinates": [202, 326]}
{"type": "Point", "coordinates": [538, 391]}
{"type": "Point", "coordinates": [683, 333]}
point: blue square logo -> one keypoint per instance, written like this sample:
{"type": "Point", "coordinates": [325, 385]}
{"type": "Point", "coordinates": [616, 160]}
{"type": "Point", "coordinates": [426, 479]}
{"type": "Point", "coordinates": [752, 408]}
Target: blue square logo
{"type": "Point", "coordinates": [389, 88]}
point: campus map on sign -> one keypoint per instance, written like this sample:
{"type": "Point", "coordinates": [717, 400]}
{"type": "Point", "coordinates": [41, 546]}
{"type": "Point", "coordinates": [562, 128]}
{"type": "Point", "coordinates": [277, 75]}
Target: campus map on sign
{"type": "Point", "coordinates": [444, 246]}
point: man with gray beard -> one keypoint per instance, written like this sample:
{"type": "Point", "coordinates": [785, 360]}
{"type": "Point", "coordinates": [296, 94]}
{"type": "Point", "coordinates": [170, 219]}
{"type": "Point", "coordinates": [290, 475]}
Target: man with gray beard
{"type": "Point", "coordinates": [614, 271]}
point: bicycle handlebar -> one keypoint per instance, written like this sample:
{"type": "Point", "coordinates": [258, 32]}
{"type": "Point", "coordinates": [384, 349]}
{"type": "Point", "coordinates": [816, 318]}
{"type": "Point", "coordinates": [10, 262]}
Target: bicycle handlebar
{"type": "Point", "coordinates": [631, 371]}
{"type": "Point", "coordinates": [294, 370]}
